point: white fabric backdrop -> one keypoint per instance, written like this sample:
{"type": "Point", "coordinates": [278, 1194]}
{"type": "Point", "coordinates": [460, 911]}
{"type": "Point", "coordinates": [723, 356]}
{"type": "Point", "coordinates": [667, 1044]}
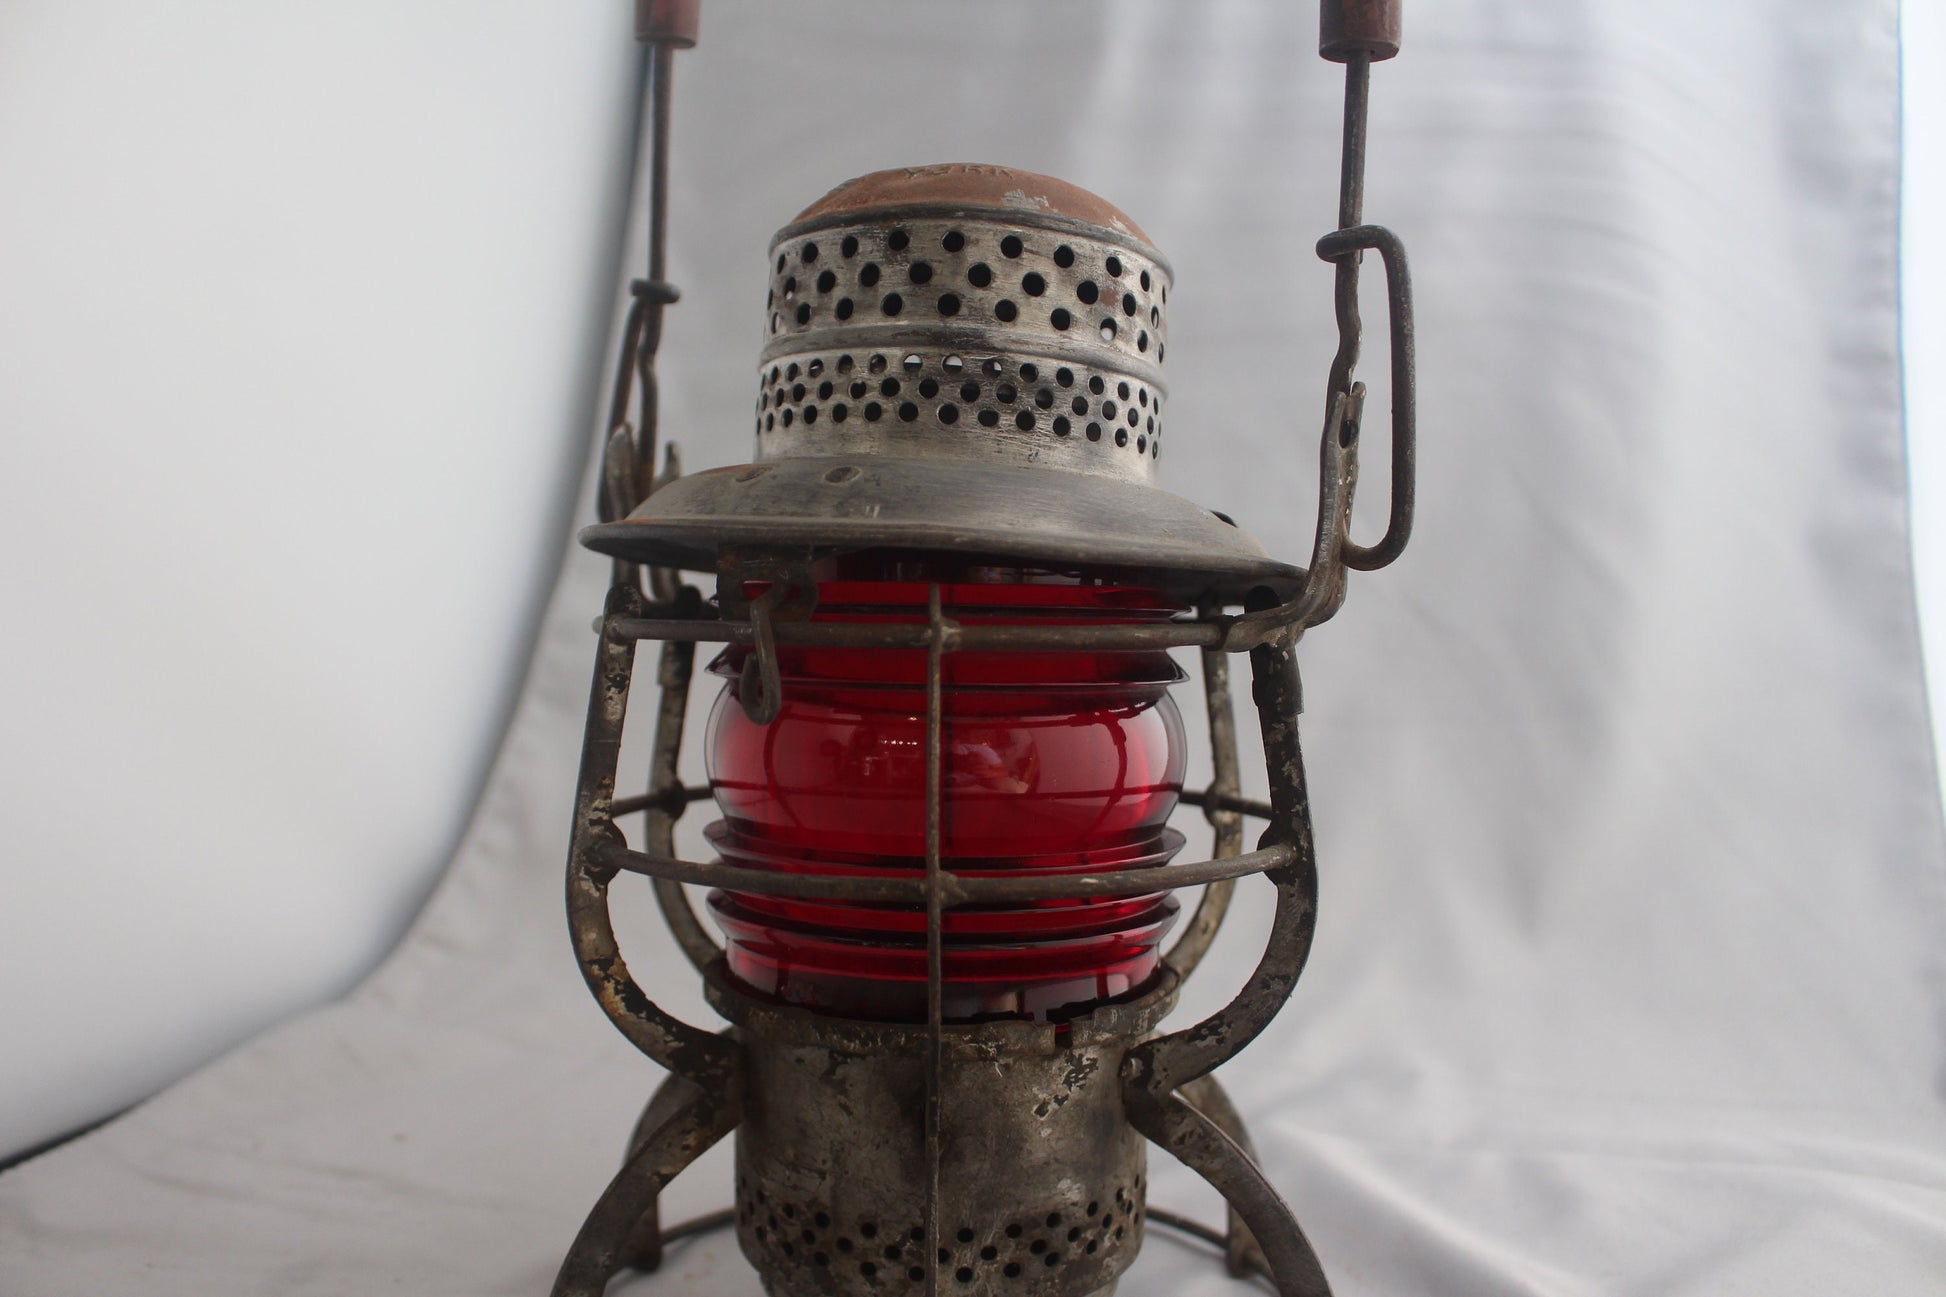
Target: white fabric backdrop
{"type": "Point", "coordinates": [1629, 974]}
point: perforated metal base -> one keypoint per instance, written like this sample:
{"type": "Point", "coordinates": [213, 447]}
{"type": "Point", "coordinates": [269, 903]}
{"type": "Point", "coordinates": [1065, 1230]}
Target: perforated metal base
{"type": "Point", "coordinates": [1042, 1190]}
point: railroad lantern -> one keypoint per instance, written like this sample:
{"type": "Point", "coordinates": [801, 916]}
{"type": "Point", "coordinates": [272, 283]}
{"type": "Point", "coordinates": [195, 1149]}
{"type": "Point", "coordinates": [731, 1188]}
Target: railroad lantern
{"type": "Point", "coordinates": [941, 910]}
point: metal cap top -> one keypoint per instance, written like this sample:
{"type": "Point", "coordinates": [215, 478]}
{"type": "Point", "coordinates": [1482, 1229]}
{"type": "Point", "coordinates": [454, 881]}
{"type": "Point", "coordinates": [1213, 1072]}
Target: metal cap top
{"type": "Point", "coordinates": [940, 332]}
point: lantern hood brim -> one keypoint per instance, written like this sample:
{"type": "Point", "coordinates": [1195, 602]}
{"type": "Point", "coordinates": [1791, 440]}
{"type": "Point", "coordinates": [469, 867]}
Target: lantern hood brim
{"type": "Point", "coordinates": [1044, 517]}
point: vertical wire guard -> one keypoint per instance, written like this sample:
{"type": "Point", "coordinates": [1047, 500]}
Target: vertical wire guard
{"type": "Point", "coordinates": [935, 939]}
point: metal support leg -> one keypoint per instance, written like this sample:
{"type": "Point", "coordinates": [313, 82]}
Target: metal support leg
{"type": "Point", "coordinates": [1241, 1251]}
{"type": "Point", "coordinates": [696, 1120]}
{"type": "Point", "coordinates": [1200, 1144]}
{"type": "Point", "coordinates": [642, 1250]}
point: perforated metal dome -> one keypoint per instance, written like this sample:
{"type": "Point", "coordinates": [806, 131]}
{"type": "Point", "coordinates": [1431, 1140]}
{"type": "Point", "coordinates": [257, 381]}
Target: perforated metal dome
{"type": "Point", "coordinates": [959, 358]}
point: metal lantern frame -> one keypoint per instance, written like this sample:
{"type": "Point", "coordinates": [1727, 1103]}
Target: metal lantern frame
{"type": "Point", "coordinates": [1166, 1085]}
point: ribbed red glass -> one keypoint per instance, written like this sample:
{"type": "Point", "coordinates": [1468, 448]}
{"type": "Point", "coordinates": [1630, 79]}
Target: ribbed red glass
{"type": "Point", "coordinates": [1053, 763]}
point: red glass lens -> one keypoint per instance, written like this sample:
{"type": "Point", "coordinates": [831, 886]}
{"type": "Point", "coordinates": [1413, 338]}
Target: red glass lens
{"type": "Point", "coordinates": [1052, 763]}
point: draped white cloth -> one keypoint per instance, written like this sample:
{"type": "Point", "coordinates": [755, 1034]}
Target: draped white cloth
{"type": "Point", "coordinates": [1631, 963]}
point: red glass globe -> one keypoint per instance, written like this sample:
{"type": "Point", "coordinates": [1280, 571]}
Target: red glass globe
{"type": "Point", "coordinates": [1053, 762]}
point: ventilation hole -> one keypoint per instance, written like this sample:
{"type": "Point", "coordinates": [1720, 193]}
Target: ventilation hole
{"type": "Point", "coordinates": [1142, 340]}
{"type": "Point", "coordinates": [820, 1258]}
{"type": "Point", "coordinates": [952, 364]}
{"type": "Point", "coordinates": [797, 391]}
{"type": "Point", "coordinates": [1006, 393]}
{"type": "Point", "coordinates": [1064, 376]}
{"type": "Point", "coordinates": [944, 1256]}
{"type": "Point", "coordinates": [949, 304]}
{"type": "Point", "coordinates": [920, 272]}
{"type": "Point", "coordinates": [1060, 319]}
{"type": "Point", "coordinates": [845, 365]}
{"type": "Point", "coordinates": [1122, 390]}
{"type": "Point", "coordinates": [868, 1230]}
{"type": "Point", "coordinates": [1107, 326]}
{"type": "Point", "coordinates": [873, 411]}
{"type": "Point", "coordinates": [1005, 311]}
{"type": "Point", "coordinates": [1108, 409]}
{"type": "Point", "coordinates": [964, 1274]}
{"type": "Point", "coordinates": [1061, 425]}
{"type": "Point", "coordinates": [780, 263]}
{"type": "Point", "coordinates": [1087, 292]}
{"type": "Point", "coordinates": [918, 1234]}
{"type": "Point", "coordinates": [1149, 423]}
{"type": "Point", "coordinates": [810, 414]}
{"type": "Point", "coordinates": [897, 240]}
{"type": "Point", "coordinates": [913, 362]}
{"type": "Point", "coordinates": [1013, 1231]}
{"type": "Point", "coordinates": [1114, 265]}
{"type": "Point", "coordinates": [989, 1252]}
{"type": "Point", "coordinates": [1090, 1249]}
{"type": "Point", "coordinates": [1051, 1260]}
{"type": "Point", "coordinates": [868, 274]}
{"type": "Point", "coordinates": [760, 1232]}
{"type": "Point", "coordinates": [808, 1236]}
{"type": "Point", "coordinates": [1155, 315]}
{"type": "Point", "coordinates": [969, 391]}
{"type": "Point", "coordinates": [1079, 405]}
{"type": "Point", "coordinates": [867, 1269]}
{"type": "Point", "coordinates": [849, 247]}
{"type": "Point", "coordinates": [1094, 432]}
{"type": "Point", "coordinates": [893, 304]}
{"type": "Point", "coordinates": [858, 388]}
{"type": "Point", "coordinates": [843, 309]}
{"type": "Point", "coordinates": [992, 366]}
{"type": "Point", "coordinates": [979, 274]}
{"type": "Point", "coordinates": [774, 374]}
{"type": "Point", "coordinates": [1024, 420]}
{"type": "Point", "coordinates": [1029, 373]}
{"type": "Point", "coordinates": [827, 281]}
{"type": "Point", "coordinates": [1064, 256]}
{"type": "Point", "coordinates": [1032, 284]}
{"type": "Point", "coordinates": [888, 387]}
{"type": "Point", "coordinates": [814, 368]}
{"type": "Point", "coordinates": [770, 423]}
{"type": "Point", "coordinates": [1044, 398]}
{"type": "Point", "coordinates": [1010, 246]}
{"type": "Point", "coordinates": [1141, 445]}
{"type": "Point", "coordinates": [1160, 347]}
{"type": "Point", "coordinates": [1074, 1234]}
{"type": "Point", "coordinates": [876, 365]}
{"type": "Point", "coordinates": [1121, 436]}
{"type": "Point", "coordinates": [893, 1251]}
{"type": "Point", "coordinates": [989, 418]}
{"type": "Point", "coordinates": [929, 388]}
{"type": "Point", "coordinates": [824, 390]}
{"type": "Point", "coordinates": [949, 414]}
{"type": "Point", "coordinates": [844, 1245]}
{"type": "Point", "coordinates": [792, 372]}
{"type": "Point", "coordinates": [1119, 1232]}
{"type": "Point", "coordinates": [1141, 394]}
{"type": "Point", "coordinates": [1134, 417]}
{"type": "Point", "coordinates": [790, 1250]}
{"type": "Point", "coordinates": [908, 411]}
{"type": "Point", "coordinates": [790, 289]}
{"type": "Point", "coordinates": [1038, 1246]}
{"type": "Point", "coordinates": [839, 413]}
{"type": "Point", "coordinates": [1011, 1270]}
{"type": "Point", "coordinates": [810, 253]}
{"type": "Point", "coordinates": [915, 1273]}
{"type": "Point", "coordinates": [953, 241]}
{"type": "Point", "coordinates": [776, 321]}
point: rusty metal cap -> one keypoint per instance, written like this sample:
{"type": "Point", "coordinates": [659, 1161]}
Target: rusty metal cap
{"type": "Point", "coordinates": [965, 358]}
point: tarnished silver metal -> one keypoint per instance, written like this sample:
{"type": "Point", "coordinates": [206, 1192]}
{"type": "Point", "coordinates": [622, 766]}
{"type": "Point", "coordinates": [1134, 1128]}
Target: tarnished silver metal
{"type": "Point", "coordinates": [964, 359]}
{"type": "Point", "coordinates": [1045, 1196]}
